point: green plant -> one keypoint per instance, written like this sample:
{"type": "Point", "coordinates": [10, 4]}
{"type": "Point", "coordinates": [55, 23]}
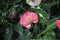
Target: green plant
{"type": "Point", "coordinates": [13, 30]}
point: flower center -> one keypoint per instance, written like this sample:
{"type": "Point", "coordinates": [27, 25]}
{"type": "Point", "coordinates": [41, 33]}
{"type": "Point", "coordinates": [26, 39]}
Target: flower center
{"type": "Point", "coordinates": [29, 19]}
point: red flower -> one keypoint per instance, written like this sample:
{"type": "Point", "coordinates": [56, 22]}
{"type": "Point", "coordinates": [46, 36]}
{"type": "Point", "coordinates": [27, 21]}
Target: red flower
{"type": "Point", "coordinates": [27, 18]}
{"type": "Point", "coordinates": [58, 23]}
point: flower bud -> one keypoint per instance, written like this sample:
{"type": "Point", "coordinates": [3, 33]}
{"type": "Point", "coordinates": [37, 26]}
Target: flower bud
{"type": "Point", "coordinates": [58, 23]}
{"type": "Point", "coordinates": [12, 15]}
{"type": "Point", "coordinates": [33, 3]}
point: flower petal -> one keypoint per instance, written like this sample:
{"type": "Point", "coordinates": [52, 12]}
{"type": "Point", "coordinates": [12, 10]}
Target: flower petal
{"type": "Point", "coordinates": [58, 23]}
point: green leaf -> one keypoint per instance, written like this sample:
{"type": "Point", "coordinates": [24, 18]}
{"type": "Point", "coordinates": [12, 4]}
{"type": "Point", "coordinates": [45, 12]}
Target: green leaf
{"type": "Point", "coordinates": [11, 10]}
{"type": "Point", "coordinates": [35, 30]}
{"type": "Point", "coordinates": [49, 27]}
{"type": "Point", "coordinates": [25, 36]}
{"type": "Point", "coordinates": [27, 33]}
{"type": "Point", "coordinates": [18, 28]}
{"type": "Point", "coordinates": [43, 14]}
{"type": "Point", "coordinates": [8, 34]}
{"type": "Point", "coordinates": [49, 5]}
{"type": "Point", "coordinates": [50, 35]}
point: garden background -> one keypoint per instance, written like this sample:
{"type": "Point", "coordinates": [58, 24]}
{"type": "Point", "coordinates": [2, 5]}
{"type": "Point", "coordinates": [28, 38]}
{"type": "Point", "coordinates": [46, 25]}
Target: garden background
{"type": "Point", "coordinates": [46, 29]}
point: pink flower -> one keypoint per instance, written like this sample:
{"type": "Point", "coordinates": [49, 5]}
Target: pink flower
{"type": "Point", "coordinates": [27, 18]}
{"type": "Point", "coordinates": [58, 23]}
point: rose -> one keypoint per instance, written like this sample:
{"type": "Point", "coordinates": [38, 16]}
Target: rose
{"type": "Point", "coordinates": [27, 18]}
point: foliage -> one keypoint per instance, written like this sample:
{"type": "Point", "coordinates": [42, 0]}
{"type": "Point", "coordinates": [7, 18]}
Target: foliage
{"type": "Point", "coordinates": [43, 30]}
